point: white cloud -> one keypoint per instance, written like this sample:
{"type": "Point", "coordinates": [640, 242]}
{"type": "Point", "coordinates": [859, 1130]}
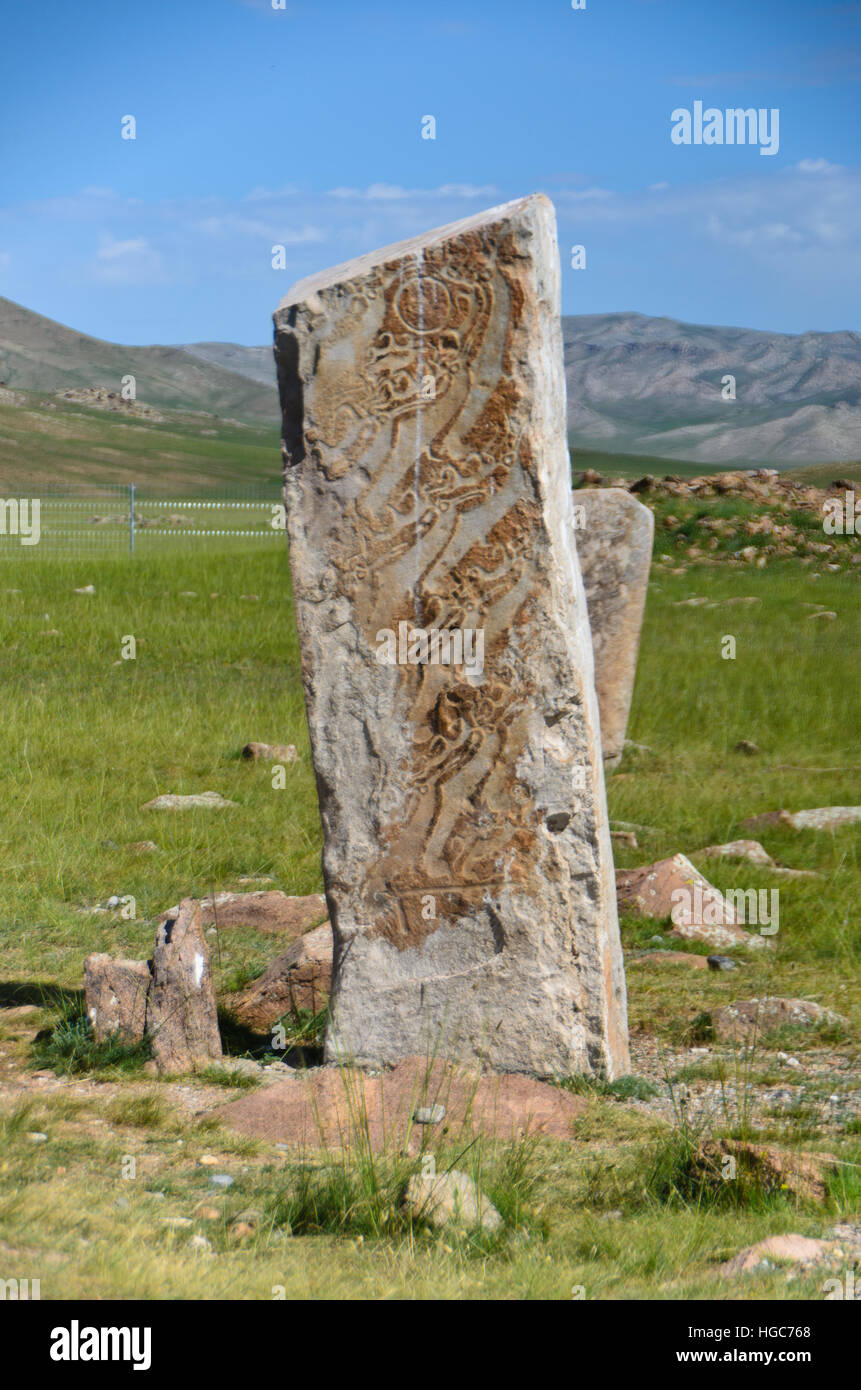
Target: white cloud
{"type": "Point", "coordinates": [818, 166]}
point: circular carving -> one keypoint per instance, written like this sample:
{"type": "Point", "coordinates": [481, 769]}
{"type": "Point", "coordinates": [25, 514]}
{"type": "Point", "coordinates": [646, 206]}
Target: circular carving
{"type": "Point", "coordinates": [424, 305]}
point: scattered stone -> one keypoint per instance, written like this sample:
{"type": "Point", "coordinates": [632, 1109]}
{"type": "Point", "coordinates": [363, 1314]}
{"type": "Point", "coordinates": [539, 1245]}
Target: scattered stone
{"type": "Point", "coordinates": [721, 963]}
{"type": "Point", "coordinates": [206, 1213]}
{"type": "Point", "coordinates": [823, 818]}
{"type": "Point", "coordinates": [429, 1115]}
{"type": "Point", "coordinates": [674, 888]}
{"type": "Point", "coordinates": [625, 837]}
{"type": "Point", "coordinates": [208, 1161]}
{"type": "Point", "coordinates": [265, 911]}
{"type": "Point", "coordinates": [751, 850]}
{"type": "Point", "coordinates": [670, 958]}
{"type": "Point", "coordinates": [174, 1223]}
{"type": "Point", "coordinates": [271, 752]}
{"type": "Point", "coordinates": [613, 537]}
{"type": "Point", "coordinates": [36, 1137]}
{"type": "Point", "coordinates": [221, 1180]}
{"type": "Point", "coordinates": [299, 979]}
{"type": "Point", "coordinates": [143, 847]}
{"type": "Point", "coordinates": [171, 802]}
{"type": "Point", "coordinates": [746, 1017]}
{"type": "Point", "coordinates": [800, 1175]}
{"type": "Point", "coordinates": [200, 1244]}
{"type": "Point", "coordinates": [826, 614]}
{"type": "Point", "coordinates": [745, 745]}
{"type": "Point", "coordinates": [182, 1019]}
{"type": "Point", "coordinates": [116, 994]}
{"type": "Point", "coordinates": [450, 1199]}
{"type": "Point", "coordinates": [793, 1249]}
{"type": "Point", "coordinates": [87, 589]}
{"type": "Point", "coordinates": [471, 888]}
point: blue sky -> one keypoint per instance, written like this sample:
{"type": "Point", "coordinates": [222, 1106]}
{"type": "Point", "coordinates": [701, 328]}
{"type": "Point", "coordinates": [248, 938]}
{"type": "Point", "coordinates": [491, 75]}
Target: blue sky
{"type": "Point", "coordinates": [302, 127]}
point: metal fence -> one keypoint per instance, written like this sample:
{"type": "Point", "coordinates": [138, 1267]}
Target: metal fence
{"type": "Point", "coordinates": [119, 518]}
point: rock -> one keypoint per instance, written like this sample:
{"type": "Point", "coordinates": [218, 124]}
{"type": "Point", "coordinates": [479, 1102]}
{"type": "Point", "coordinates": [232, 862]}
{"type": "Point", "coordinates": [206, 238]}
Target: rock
{"type": "Point", "coordinates": [674, 888]}
{"type": "Point", "coordinates": [200, 1244]}
{"type": "Point", "coordinates": [36, 1137]}
{"type": "Point", "coordinates": [450, 1199]}
{"type": "Point", "coordinates": [823, 818]}
{"type": "Point", "coordinates": [299, 979]}
{"type": "Point", "coordinates": [429, 1115]}
{"type": "Point", "coordinates": [264, 910]}
{"type": "Point", "coordinates": [613, 535]}
{"type": "Point", "coordinates": [271, 752]}
{"type": "Point", "coordinates": [116, 993]}
{"type": "Point", "coordinates": [342, 1107]}
{"type": "Point", "coordinates": [87, 589]}
{"type": "Point", "coordinates": [794, 1249]}
{"type": "Point", "coordinates": [745, 745]}
{"type": "Point", "coordinates": [446, 654]}
{"type": "Point", "coordinates": [221, 1180]}
{"type": "Point", "coordinates": [670, 958]}
{"type": "Point", "coordinates": [625, 837]}
{"type": "Point", "coordinates": [775, 1170]}
{"type": "Point", "coordinates": [171, 802]}
{"type": "Point", "coordinates": [751, 850]}
{"type": "Point", "coordinates": [721, 963]}
{"type": "Point", "coordinates": [143, 847]}
{"type": "Point", "coordinates": [181, 1018]}
{"type": "Point", "coordinates": [746, 1017]}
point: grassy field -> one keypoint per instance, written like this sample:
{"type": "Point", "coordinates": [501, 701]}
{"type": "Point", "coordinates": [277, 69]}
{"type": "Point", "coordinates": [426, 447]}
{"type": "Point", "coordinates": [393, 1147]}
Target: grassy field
{"type": "Point", "coordinates": [88, 737]}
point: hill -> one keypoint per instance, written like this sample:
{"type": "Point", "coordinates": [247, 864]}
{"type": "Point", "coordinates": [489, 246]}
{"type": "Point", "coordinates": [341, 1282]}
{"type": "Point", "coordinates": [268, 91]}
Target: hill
{"type": "Point", "coordinates": [37, 354]}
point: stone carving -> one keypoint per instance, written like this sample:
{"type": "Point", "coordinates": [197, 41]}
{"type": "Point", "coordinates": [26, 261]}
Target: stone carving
{"type": "Point", "coordinates": [613, 534]}
{"type": "Point", "coordinates": [467, 855]}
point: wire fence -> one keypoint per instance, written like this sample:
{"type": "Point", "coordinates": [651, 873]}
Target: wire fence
{"type": "Point", "coordinates": [119, 518]}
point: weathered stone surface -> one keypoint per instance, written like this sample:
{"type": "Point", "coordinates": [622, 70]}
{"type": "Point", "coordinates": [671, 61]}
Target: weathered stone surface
{"type": "Point", "coordinates": [751, 850]}
{"type": "Point", "coordinates": [802, 1175]}
{"type": "Point", "coordinates": [822, 818]}
{"type": "Point", "coordinates": [300, 979]}
{"type": "Point", "coordinates": [173, 801]}
{"type": "Point", "coordinates": [427, 488]}
{"type": "Point", "coordinates": [271, 752]}
{"type": "Point", "coordinates": [747, 1018]}
{"type": "Point", "coordinates": [686, 958]}
{"type": "Point", "coordinates": [116, 994]}
{"type": "Point", "coordinates": [450, 1199]}
{"type": "Point", "coordinates": [613, 534]}
{"type": "Point", "coordinates": [342, 1107]}
{"type": "Point", "coordinates": [264, 910]}
{"type": "Point", "coordinates": [675, 888]}
{"type": "Point", "coordinates": [792, 1249]}
{"type": "Point", "coordinates": [182, 1018]}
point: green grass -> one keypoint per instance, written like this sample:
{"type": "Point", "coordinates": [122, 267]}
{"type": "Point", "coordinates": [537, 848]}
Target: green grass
{"type": "Point", "coordinates": [87, 738]}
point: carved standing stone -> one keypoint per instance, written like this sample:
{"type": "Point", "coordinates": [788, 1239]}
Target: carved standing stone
{"type": "Point", "coordinates": [182, 1018]}
{"type": "Point", "coordinates": [446, 654]}
{"type": "Point", "coordinates": [613, 534]}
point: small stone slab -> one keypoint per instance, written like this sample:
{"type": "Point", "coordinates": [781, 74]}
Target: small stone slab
{"type": "Point", "coordinates": [614, 533]}
{"type": "Point", "coordinates": [116, 994]}
{"type": "Point", "coordinates": [299, 979]}
{"type": "Point", "coordinates": [266, 910]}
{"type": "Point", "coordinates": [182, 1018]}
{"type": "Point", "coordinates": [171, 801]}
